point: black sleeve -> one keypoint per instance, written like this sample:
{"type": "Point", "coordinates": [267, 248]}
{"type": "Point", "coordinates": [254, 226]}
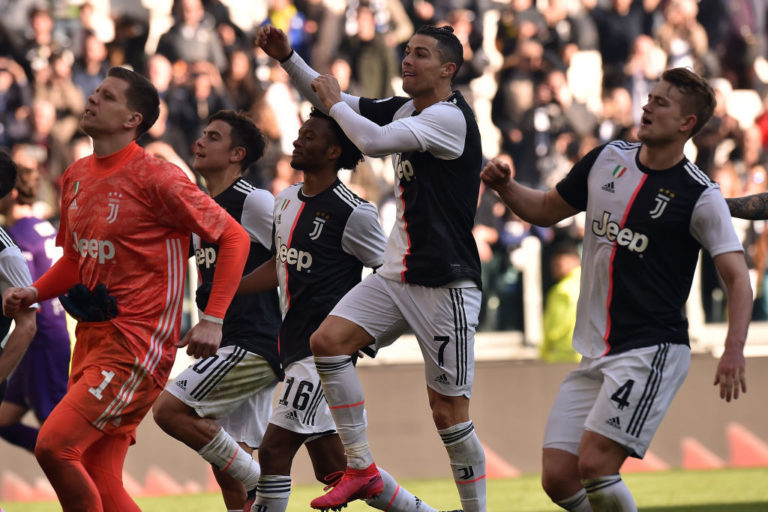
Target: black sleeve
{"type": "Point", "coordinates": [573, 188]}
{"type": "Point", "coordinates": [381, 111]}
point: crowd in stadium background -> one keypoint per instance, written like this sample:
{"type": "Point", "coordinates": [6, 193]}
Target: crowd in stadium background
{"type": "Point", "coordinates": [549, 80]}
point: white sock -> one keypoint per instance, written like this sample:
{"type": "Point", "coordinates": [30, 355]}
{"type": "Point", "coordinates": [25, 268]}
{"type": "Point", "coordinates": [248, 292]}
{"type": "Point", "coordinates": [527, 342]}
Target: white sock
{"type": "Point", "coordinates": [609, 493]}
{"type": "Point", "coordinates": [576, 503]}
{"type": "Point", "coordinates": [397, 499]}
{"type": "Point", "coordinates": [272, 493]}
{"type": "Point", "coordinates": [224, 453]}
{"type": "Point", "coordinates": [467, 464]}
{"type": "Point", "coordinates": [344, 394]}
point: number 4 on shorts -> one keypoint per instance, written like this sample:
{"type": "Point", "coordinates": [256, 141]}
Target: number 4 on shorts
{"type": "Point", "coordinates": [622, 394]}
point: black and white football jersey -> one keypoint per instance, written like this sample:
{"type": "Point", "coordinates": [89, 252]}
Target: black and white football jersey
{"type": "Point", "coordinates": [14, 272]}
{"type": "Point", "coordinates": [321, 244]}
{"type": "Point", "coordinates": [644, 229]}
{"type": "Point", "coordinates": [252, 320]}
{"type": "Point", "coordinates": [436, 191]}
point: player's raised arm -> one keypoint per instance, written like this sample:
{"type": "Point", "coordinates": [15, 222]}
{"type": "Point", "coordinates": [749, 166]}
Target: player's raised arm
{"type": "Point", "coordinates": [543, 208]}
{"type": "Point", "coordinates": [753, 207]}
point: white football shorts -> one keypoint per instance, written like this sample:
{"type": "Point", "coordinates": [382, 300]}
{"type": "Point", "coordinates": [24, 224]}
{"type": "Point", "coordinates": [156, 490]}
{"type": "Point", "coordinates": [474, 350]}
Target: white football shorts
{"type": "Point", "coordinates": [622, 397]}
{"type": "Point", "coordinates": [235, 387]}
{"type": "Point", "coordinates": [301, 406]}
{"type": "Point", "coordinates": [443, 320]}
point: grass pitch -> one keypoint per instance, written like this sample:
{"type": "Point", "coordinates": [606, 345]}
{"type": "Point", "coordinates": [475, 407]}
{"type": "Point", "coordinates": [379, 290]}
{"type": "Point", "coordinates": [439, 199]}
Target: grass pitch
{"type": "Point", "coordinates": [728, 490]}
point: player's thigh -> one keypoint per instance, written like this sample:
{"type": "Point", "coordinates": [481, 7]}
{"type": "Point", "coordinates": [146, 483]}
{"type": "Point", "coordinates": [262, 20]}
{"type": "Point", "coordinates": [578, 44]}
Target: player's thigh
{"type": "Point", "coordinates": [370, 306]}
{"type": "Point", "coordinates": [217, 386]}
{"type": "Point", "coordinates": [574, 400]}
{"type": "Point", "coordinates": [113, 392]}
{"type": "Point", "coordinates": [444, 321]}
{"type": "Point", "coordinates": [638, 388]}
{"type": "Point", "coordinates": [301, 406]}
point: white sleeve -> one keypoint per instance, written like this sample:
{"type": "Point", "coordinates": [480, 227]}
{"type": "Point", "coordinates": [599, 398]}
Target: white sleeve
{"type": "Point", "coordinates": [363, 237]}
{"type": "Point", "coordinates": [258, 215]}
{"type": "Point", "coordinates": [712, 226]}
{"type": "Point", "coordinates": [302, 75]}
{"type": "Point", "coordinates": [14, 271]}
{"type": "Point", "coordinates": [440, 129]}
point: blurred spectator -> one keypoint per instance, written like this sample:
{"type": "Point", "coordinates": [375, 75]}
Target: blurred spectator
{"type": "Point", "coordinates": [719, 136]}
{"type": "Point", "coordinates": [560, 304]}
{"type": "Point", "coordinates": [127, 48]}
{"type": "Point", "coordinates": [643, 69]}
{"type": "Point", "coordinates": [748, 153]}
{"type": "Point", "coordinates": [53, 155]}
{"type": "Point", "coordinates": [617, 26]}
{"type": "Point", "coordinates": [683, 38]}
{"type": "Point", "coordinates": [616, 120]}
{"type": "Point", "coordinates": [204, 95]}
{"type": "Point", "coordinates": [372, 62]}
{"type": "Point", "coordinates": [91, 68]}
{"type": "Point", "coordinates": [168, 133]}
{"type": "Point", "coordinates": [743, 42]}
{"type": "Point", "coordinates": [53, 83]}
{"type": "Point", "coordinates": [569, 29]}
{"type": "Point", "coordinates": [160, 73]}
{"type": "Point", "coordinates": [515, 95]}
{"type": "Point", "coordinates": [284, 15]}
{"type": "Point", "coordinates": [193, 38]}
{"type": "Point", "coordinates": [240, 81]}
{"type": "Point", "coordinates": [15, 102]}
{"type": "Point", "coordinates": [39, 44]}
{"type": "Point", "coordinates": [519, 22]}
{"type": "Point", "coordinates": [90, 22]}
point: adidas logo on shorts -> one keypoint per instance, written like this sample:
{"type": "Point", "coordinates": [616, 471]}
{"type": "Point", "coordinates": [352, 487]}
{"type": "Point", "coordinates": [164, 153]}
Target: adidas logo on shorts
{"type": "Point", "coordinates": [182, 384]}
{"type": "Point", "coordinates": [614, 422]}
{"type": "Point", "coordinates": [442, 379]}
{"type": "Point", "coordinates": [292, 416]}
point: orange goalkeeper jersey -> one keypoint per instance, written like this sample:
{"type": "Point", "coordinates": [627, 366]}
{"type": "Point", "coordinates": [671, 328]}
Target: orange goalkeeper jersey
{"type": "Point", "coordinates": [126, 220]}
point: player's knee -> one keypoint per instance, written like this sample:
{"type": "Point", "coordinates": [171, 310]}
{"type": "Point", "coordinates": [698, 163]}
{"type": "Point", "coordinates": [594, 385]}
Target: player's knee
{"type": "Point", "coordinates": [49, 451]}
{"type": "Point", "coordinates": [162, 414]}
{"type": "Point", "coordinates": [557, 484]}
{"type": "Point", "coordinates": [322, 343]}
{"type": "Point", "coordinates": [448, 411]}
{"type": "Point", "coordinates": [591, 466]}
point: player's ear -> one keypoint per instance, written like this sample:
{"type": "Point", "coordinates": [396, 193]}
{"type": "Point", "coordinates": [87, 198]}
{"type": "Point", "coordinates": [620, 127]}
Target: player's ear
{"type": "Point", "coordinates": [237, 153]}
{"type": "Point", "coordinates": [448, 69]}
{"type": "Point", "coordinates": [689, 122]}
{"type": "Point", "coordinates": [135, 120]}
{"type": "Point", "coordinates": [334, 151]}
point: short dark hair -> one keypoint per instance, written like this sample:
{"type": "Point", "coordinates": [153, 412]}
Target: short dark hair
{"type": "Point", "coordinates": [699, 97]}
{"type": "Point", "coordinates": [350, 154]}
{"type": "Point", "coordinates": [244, 133]}
{"type": "Point", "coordinates": [7, 174]}
{"type": "Point", "coordinates": [448, 45]}
{"type": "Point", "coordinates": [141, 96]}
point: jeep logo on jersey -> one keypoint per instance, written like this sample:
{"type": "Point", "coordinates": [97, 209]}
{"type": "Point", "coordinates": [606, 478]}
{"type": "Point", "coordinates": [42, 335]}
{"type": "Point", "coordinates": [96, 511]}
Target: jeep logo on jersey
{"type": "Point", "coordinates": [205, 256]}
{"type": "Point", "coordinates": [625, 237]}
{"type": "Point", "coordinates": [302, 260]}
{"type": "Point", "coordinates": [103, 250]}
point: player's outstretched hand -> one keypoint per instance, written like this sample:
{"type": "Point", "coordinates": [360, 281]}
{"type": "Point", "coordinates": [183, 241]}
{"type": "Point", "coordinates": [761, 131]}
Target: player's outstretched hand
{"type": "Point", "coordinates": [496, 174]}
{"type": "Point", "coordinates": [202, 340]}
{"type": "Point", "coordinates": [327, 89]}
{"type": "Point", "coordinates": [273, 41]}
{"type": "Point", "coordinates": [731, 374]}
{"type": "Point", "coordinates": [16, 299]}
